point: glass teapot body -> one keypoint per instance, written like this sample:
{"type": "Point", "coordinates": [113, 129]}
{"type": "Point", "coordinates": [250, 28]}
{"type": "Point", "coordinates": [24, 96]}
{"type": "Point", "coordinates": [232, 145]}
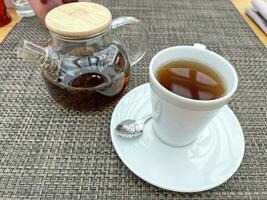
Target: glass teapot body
{"type": "Point", "coordinates": [103, 54]}
{"type": "Point", "coordinates": [91, 72]}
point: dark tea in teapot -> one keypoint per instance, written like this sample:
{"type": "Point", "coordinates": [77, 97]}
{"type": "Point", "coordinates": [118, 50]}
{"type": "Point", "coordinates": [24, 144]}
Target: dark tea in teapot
{"type": "Point", "coordinates": [90, 82]}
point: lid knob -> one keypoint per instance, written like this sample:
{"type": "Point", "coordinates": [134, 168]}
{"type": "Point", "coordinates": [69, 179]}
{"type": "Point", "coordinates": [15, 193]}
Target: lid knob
{"type": "Point", "coordinates": [78, 20]}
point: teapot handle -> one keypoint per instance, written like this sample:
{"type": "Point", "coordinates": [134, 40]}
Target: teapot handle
{"type": "Point", "coordinates": [140, 51]}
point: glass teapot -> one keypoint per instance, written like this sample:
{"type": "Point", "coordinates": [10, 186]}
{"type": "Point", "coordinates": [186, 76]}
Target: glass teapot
{"type": "Point", "coordinates": [85, 65]}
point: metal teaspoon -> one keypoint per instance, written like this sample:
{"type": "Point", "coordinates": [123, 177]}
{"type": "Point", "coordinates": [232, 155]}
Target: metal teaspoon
{"type": "Point", "coordinates": [132, 128]}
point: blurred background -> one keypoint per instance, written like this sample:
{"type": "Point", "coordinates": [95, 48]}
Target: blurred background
{"type": "Point", "coordinates": [29, 8]}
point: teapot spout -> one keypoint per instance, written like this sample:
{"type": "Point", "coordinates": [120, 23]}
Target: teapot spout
{"type": "Point", "coordinates": [30, 51]}
{"type": "Point", "coordinates": [33, 52]}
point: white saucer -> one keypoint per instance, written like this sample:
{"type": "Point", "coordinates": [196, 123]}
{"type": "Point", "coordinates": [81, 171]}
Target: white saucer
{"type": "Point", "coordinates": [206, 163]}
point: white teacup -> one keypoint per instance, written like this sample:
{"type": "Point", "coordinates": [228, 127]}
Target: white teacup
{"type": "Point", "coordinates": [177, 120]}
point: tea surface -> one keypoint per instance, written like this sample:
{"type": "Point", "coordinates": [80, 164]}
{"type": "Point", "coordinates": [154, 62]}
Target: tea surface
{"type": "Point", "coordinates": [191, 79]}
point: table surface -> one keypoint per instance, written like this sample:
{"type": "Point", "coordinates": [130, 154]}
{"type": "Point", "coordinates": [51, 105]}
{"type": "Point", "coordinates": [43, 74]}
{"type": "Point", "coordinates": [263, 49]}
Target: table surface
{"type": "Point", "coordinates": [6, 29]}
{"type": "Point", "coordinates": [241, 6]}
{"type": "Point", "coordinates": [48, 152]}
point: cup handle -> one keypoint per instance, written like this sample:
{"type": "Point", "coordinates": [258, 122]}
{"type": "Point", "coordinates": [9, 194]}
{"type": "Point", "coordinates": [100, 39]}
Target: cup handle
{"type": "Point", "coordinates": [140, 52]}
{"type": "Point", "coordinates": [200, 46]}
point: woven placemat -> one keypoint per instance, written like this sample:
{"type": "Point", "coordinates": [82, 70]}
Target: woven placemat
{"type": "Point", "coordinates": [47, 152]}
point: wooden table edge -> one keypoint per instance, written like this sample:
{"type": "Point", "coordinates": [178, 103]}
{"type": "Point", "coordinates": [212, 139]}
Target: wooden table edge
{"type": "Point", "coordinates": [7, 28]}
{"type": "Point", "coordinates": [241, 5]}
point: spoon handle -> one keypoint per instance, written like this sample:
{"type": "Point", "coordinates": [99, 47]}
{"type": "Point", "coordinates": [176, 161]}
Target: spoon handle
{"type": "Point", "coordinates": [145, 119]}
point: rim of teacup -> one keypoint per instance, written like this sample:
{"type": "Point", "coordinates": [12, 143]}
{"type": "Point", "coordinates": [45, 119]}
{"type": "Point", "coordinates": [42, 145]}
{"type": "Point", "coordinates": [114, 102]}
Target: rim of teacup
{"type": "Point", "coordinates": [188, 103]}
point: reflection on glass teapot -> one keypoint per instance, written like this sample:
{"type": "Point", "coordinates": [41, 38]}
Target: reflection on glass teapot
{"type": "Point", "coordinates": [85, 65]}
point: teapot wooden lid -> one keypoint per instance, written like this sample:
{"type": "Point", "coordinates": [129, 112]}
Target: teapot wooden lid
{"type": "Point", "coordinates": [81, 19]}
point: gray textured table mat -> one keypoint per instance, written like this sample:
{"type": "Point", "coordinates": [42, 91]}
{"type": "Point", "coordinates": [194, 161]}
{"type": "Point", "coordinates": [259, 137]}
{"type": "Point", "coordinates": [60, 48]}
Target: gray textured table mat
{"type": "Point", "coordinates": [47, 152]}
